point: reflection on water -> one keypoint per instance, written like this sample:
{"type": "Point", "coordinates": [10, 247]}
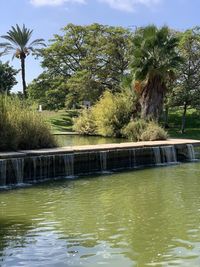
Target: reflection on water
{"type": "Point", "coordinates": [80, 140]}
{"type": "Point", "coordinates": [142, 218]}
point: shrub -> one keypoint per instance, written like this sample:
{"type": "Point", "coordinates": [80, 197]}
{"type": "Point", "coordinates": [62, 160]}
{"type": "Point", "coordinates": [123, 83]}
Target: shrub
{"type": "Point", "coordinates": [141, 130]}
{"type": "Point", "coordinates": [85, 123]}
{"type": "Point", "coordinates": [21, 127]}
{"type": "Point", "coordinates": [112, 112]}
{"type": "Point", "coordinates": [134, 130]}
{"type": "Point", "coordinates": [8, 133]}
{"type": "Point", "coordinates": [154, 132]}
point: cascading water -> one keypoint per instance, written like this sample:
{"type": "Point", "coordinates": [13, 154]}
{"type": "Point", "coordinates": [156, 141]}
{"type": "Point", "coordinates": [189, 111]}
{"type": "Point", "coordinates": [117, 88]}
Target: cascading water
{"type": "Point", "coordinates": [103, 160]}
{"type": "Point", "coordinates": [3, 167]}
{"type": "Point", "coordinates": [42, 167]}
{"type": "Point", "coordinates": [190, 152]}
{"type": "Point", "coordinates": [69, 165]}
{"type": "Point", "coordinates": [132, 158]}
{"type": "Point", "coordinates": [157, 155]}
{"type": "Point", "coordinates": [168, 154]}
{"type": "Point", "coordinates": [18, 166]}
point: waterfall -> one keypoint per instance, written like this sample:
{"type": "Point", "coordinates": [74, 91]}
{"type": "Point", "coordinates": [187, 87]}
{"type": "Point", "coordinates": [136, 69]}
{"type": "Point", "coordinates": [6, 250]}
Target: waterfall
{"type": "Point", "coordinates": [157, 155]}
{"type": "Point", "coordinates": [132, 158]}
{"type": "Point", "coordinates": [34, 168]}
{"type": "Point", "coordinates": [103, 160]}
{"type": "Point", "coordinates": [190, 152]}
{"type": "Point", "coordinates": [18, 166]}
{"type": "Point", "coordinates": [3, 169]}
{"type": "Point", "coordinates": [169, 154]}
{"type": "Point", "coordinates": [69, 165]}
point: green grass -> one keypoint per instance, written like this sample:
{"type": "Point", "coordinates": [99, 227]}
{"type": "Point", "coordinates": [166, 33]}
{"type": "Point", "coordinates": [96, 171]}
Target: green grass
{"type": "Point", "coordinates": [192, 124]}
{"type": "Point", "coordinates": [60, 121]}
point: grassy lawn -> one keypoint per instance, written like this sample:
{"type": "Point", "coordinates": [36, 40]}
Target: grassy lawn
{"type": "Point", "coordinates": [192, 124]}
{"type": "Point", "coordinates": [60, 121]}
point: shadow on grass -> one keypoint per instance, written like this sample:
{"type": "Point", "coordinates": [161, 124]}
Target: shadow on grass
{"type": "Point", "coordinates": [64, 122]}
{"type": "Point", "coordinates": [190, 133]}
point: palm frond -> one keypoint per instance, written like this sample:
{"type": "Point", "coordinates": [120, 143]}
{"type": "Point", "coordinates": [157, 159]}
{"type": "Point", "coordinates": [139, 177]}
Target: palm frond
{"type": "Point", "coordinates": [18, 39]}
{"type": "Point", "coordinates": [38, 42]}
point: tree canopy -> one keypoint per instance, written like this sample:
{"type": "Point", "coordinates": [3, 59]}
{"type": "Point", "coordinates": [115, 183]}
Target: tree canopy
{"type": "Point", "coordinates": [154, 61]}
{"type": "Point", "coordinates": [7, 77]}
{"type": "Point", "coordinates": [89, 59]}
{"type": "Point", "coordinates": [18, 43]}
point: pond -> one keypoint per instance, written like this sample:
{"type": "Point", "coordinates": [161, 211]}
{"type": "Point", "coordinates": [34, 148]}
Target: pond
{"type": "Point", "coordinates": [146, 217]}
{"type": "Point", "coordinates": [80, 140]}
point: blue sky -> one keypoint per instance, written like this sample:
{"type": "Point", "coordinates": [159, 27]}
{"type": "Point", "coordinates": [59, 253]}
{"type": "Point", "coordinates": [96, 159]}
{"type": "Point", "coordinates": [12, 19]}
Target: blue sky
{"type": "Point", "coordinates": [47, 17]}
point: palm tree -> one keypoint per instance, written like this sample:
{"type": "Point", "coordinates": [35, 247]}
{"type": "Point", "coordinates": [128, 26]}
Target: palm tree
{"type": "Point", "coordinates": [18, 43]}
{"type": "Point", "coordinates": [155, 59]}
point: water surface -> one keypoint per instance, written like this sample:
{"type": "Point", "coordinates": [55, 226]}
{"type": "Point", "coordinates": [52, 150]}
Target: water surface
{"type": "Point", "coordinates": [140, 218]}
{"type": "Point", "coordinates": [80, 140]}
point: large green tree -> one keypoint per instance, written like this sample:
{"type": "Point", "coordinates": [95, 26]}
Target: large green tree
{"type": "Point", "coordinates": [155, 59]}
{"type": "Point", "coordinates": [18, 43]}
{"type": "Point", "coordinates": [7, 77]}
{"type": "Point", "coordinates": [89, 58]}
{"type": "Point", "coordinates": [186, 93]}
{"type": "Point", "coordinates": [48, 92]}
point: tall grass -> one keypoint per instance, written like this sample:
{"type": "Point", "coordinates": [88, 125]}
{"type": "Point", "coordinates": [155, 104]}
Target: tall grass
{"type": "Point", "coordinates": [21, 127]}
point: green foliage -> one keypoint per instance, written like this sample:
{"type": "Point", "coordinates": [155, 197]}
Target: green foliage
{"type": "Point", "coordinates": [8, 134]}
{"type": "Point", "coordinates": [187, 89]}
{"type": "Point", "coordinates": [85, 123]}
{"type": "Point", "coordinates": [89, 59]}
{"type": "Point", "coordinates": [134, 129]}
{"type": "Point", "coordinates": [154, 132]}
{"type": "Point", "coordinates": [17, 42]}
{"type": "Point", "coordinates": [22, 127]}
{"type": "Point", "coordinates": [7, 77]}
{"type": "Point", "coordinates": [108, 116]}
{"type": "Point", "coordinates": [141, 130]}
{"type": "Point", "coordinates": [112, 112]}
{"type": "Point", "coordinates": [154, 62]}
{"type": "Point", "coordinates": [48, 92]}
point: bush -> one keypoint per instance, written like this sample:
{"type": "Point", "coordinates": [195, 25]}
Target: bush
{"type": "Point", "coordinates": [112, 112]}
{"type": "Point", "coordinates": [8, 133]}
{"type": "Point", "coordinates": [85, 123]}
{"type": "Point", "coordinates": [21, 127]}
{"type": "Point", "coordinates": [141, 130]}
{"type": "Point", "coordinates": [134, 130]}
{"type": "Point", "coordinates": [154, 132]}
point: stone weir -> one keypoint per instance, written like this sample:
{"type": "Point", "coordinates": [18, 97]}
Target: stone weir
{"type": "Point", "coordinates": [36, 165]}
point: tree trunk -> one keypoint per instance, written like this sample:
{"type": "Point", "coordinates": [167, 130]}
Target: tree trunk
{"type": "Point", "coordinates": [184, 118]}
{"type": "Point", "coordinates": [23, 76]}
{"type": "Point", "coordinates": [166, 117]}
{"type": "Point", "coordinates": [152, 97]}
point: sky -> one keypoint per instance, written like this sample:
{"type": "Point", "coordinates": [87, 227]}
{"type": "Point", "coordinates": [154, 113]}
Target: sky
{"type": "Point", "coordinates": [48, 17]}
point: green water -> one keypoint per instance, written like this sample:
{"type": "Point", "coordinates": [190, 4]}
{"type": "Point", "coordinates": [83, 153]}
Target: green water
{"type": "Point", "coordinates": [80, 140]}
{"type": "Point", "coordinates": [141, 218]}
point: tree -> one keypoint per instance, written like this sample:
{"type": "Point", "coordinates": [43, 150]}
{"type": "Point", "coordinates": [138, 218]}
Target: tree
{"type": "Point", "coordinates": [18, 43]}
{"type": "Point", "coordinates": [153, 63]}
{"type": "Point", "coordinates": [90, 59]}
{"type": "Point", "coordinates": [7, 77]}
{"type": "Point", "coordinates": [187, 91]}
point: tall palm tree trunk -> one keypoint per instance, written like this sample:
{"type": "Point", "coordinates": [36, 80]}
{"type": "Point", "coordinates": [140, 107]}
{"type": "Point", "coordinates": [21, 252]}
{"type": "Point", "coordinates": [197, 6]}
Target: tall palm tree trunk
{"type": "Point", "coordinates": [23, 76]}
{"type": "Point", "coordinates": [152, 97]}
{"type": "Point", "coordinates": [184, 118]}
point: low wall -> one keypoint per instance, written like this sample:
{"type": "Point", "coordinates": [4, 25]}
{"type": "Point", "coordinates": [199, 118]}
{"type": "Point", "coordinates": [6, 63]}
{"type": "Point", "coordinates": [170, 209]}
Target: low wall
{"type": "Point", "coordinates": [35, 165]}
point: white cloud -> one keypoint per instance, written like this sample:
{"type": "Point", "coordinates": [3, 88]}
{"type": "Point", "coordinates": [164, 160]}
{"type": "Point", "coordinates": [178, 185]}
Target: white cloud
{"type": "Point", "coordinates": [129, 5]}
{"type": "Point", "coordinates": [54, 2]}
